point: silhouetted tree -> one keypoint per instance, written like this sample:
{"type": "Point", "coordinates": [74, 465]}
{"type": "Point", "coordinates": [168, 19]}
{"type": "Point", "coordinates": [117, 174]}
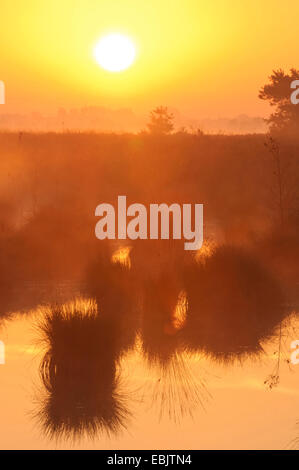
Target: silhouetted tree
{"type": "Point", "coordinates": [278, 93]}
{"type": "Point", "coordinates": [161, 121]}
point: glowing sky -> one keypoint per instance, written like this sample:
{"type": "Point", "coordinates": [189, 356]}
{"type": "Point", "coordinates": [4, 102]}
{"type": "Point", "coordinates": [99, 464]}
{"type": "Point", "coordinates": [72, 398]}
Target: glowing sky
{"type": "Point", "coordinates": [203, 58]}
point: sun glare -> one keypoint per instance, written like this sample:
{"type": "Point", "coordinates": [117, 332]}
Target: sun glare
{"type": "Point", "coordinates": [115, 52]}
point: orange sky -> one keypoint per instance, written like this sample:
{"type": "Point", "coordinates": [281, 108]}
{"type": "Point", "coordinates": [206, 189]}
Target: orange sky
{"type": "Point", "coordinates": [207, 59]}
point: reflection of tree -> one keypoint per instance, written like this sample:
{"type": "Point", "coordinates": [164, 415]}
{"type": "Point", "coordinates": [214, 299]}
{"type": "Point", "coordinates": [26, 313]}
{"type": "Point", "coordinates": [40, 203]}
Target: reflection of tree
{"type": "Point", "coordinates": [79, 373]}
{"type": "Point", "coordinates": [159, 337]}
{"type": "Point", "coordinates": [274, 150]}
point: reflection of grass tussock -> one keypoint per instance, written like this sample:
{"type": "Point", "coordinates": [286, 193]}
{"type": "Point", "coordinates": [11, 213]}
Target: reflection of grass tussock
{"type": "Point", "coordinates": [79, 374]}
{"type": "Point", "coordinates": [280, 250]}
{"type": "Point", "coordinates": [110, 283]}
{"type": "Point", "coordinates": [234, 305]}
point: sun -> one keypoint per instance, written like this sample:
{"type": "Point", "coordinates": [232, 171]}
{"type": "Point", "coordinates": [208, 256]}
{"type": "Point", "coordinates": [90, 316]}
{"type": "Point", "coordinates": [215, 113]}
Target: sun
{"type": "Point", "coordinates": [115, 52]}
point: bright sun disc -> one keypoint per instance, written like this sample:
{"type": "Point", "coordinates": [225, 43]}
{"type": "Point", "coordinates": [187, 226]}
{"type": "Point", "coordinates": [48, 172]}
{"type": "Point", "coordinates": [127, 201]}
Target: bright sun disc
{"type": "Point", "coordinates": [115, 52]}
